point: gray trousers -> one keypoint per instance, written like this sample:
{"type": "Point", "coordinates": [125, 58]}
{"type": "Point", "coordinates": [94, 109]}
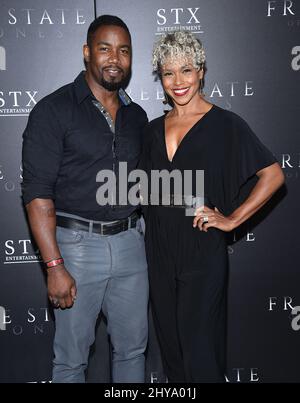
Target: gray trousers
{"type": "Point", "coordinates": [110, 274]}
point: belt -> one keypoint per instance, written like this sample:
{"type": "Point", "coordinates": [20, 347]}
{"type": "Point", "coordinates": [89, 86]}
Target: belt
{"type": "Point", "coordinates": [101, 228]}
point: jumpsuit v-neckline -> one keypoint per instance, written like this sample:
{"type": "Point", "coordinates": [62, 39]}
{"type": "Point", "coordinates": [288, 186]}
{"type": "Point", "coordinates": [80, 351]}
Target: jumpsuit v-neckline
{"type": "Point", "coordinates": [186, 135]}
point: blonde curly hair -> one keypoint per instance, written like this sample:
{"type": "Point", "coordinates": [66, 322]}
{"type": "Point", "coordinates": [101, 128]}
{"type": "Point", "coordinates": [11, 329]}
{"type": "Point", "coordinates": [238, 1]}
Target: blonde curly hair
{"type": "Point", "coordinates": [178, 45]}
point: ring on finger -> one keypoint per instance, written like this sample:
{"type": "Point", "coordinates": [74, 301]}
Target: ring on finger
{"type": "Point", "coordinates": [55, 302]}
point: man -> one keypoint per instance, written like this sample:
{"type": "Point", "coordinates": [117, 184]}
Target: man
{"type": "Point", "coordinates": [94, 254]}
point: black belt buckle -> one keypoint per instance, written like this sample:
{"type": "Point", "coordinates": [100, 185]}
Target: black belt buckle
{"type": "Point", "coordinates": [98, 228]}
{"type": "Point", "coordinates": [125, 225]}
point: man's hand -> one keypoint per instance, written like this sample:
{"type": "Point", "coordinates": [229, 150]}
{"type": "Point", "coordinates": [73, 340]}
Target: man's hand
{"type": "Point", "coordinates": [61, 287]}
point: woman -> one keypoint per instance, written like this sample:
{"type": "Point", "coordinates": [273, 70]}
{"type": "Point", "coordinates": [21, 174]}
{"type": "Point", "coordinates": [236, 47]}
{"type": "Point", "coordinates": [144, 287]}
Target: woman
{"type": "Point", "coordinates": [187, 256]}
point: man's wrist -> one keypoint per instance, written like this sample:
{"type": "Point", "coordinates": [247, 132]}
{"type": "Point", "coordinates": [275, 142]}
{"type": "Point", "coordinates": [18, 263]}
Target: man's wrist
{"type": "Point", "coordinates": [50, 264]}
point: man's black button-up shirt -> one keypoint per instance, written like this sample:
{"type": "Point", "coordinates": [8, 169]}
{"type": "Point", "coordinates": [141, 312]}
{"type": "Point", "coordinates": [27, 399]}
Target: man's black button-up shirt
{"type": "Point", "coordinates": [67, 142]}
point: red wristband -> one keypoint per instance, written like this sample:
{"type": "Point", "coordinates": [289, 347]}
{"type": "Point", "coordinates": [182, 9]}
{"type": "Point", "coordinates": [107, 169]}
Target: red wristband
{"type": "Point", "coordinates": [54, 262]}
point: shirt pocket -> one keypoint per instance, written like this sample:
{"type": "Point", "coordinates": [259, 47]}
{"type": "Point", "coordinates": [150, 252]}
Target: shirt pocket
{"type": "Point", "coordinates": [88, 145]}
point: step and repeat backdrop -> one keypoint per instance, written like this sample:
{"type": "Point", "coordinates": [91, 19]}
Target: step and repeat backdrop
{"type": "Point", "coordinates": [253, 69]}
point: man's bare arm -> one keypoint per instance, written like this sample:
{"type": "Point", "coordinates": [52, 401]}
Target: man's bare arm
{"type": "Point", "coordinates": [42, 219]}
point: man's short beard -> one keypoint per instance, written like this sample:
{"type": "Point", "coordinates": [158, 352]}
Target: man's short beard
{"type": "Point", "coordinates": [113, 86]}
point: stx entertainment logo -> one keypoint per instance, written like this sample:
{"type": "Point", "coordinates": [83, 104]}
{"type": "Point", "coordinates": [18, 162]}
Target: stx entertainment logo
{"type": "Point", "coordinates": [17, 103]}
{"type": "Point", "coordinates": [178, 19]}
{"type": "Point", "coordinates": [21, 251]}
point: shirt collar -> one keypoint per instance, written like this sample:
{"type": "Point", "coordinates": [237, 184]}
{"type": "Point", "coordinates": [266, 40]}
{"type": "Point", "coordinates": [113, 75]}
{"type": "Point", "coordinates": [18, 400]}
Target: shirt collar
{"type": "Point", "coordinates": [82, 91]}
{"type": "Point", "coordinates": [124, 97]}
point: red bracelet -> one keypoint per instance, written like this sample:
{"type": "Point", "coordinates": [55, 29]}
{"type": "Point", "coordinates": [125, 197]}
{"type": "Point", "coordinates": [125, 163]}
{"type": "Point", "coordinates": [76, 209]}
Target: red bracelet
{"type": "Point", "coordinates": [54, 262]}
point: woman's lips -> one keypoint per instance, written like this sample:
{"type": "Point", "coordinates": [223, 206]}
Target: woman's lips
{"type": "Point", "coordinates": [180, 92]}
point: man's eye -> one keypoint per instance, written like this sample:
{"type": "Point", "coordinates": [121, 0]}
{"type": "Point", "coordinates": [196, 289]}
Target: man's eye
{"type": "Point", "coordinates": [187, 70]}
{"type": "Point", "coordinates": [167, 74]}
{"type": "Point", "coordinates": [103, 49]}
{"type": "Point", "coordinates": [125, 51]}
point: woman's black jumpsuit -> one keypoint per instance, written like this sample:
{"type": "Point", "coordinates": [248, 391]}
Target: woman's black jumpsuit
{"type": "Point", "coordinates": [188, 267]}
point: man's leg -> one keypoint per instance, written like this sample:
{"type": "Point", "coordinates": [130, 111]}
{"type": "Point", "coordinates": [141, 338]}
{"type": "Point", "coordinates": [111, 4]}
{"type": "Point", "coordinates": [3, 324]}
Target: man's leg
{"type": "Point", "coordinates": [87, 258]}
{"type": "Point", "coordinates": [125, 305]}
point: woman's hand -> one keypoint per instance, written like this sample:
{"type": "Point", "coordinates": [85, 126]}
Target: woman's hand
{"type": "Point", "coordinates": [269, 180]}
{"type": "Point", "coordinates": [206, 218]}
